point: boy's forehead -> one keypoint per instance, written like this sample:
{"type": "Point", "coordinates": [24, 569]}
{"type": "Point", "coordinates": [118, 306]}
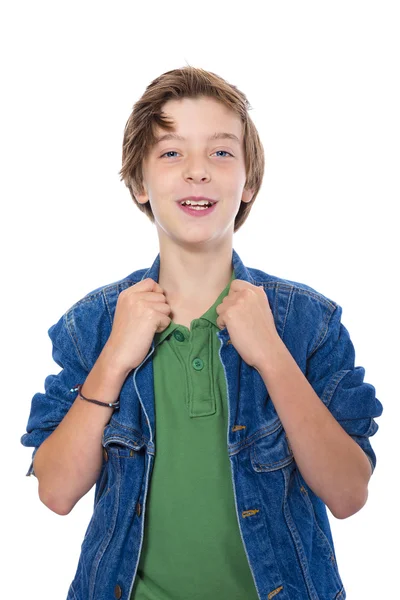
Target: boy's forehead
{"type": "Point", "coordinates": [212, 117]}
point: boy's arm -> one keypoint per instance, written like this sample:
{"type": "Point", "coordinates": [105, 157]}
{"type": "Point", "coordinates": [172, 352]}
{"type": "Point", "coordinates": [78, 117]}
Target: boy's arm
{"type": "Point", "coordinates": [333, 464]}
{"type": "Point", "coordinates": [66, 431]}
{"type": "Point", "coordinates": [69, 461]}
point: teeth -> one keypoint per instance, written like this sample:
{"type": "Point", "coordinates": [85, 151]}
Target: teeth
{"type": "Point", "coordinates": [190, 203]}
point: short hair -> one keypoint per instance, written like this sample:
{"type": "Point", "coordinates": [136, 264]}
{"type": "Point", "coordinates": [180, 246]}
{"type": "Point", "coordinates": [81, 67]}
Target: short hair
{"type": "Point", "coordinates": [187, 82]}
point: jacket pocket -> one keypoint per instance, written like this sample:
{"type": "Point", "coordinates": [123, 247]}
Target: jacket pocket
{"type": "Point", "coordinates": [271, 451]}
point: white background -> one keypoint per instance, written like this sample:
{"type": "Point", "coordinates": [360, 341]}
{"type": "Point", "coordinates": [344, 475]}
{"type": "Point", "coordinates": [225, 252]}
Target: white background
{"type": "Point", "coordinates": [322, 79]}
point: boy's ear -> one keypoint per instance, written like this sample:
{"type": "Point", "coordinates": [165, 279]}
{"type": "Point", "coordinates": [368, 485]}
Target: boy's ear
{"type": "Point", "coordinates": [247, 195]}
{"type": "Point", "coordinates": [142, 197]}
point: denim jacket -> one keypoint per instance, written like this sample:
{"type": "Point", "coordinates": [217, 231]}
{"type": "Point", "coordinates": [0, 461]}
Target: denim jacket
{"type": "Point", "coordinates": [283, 524]}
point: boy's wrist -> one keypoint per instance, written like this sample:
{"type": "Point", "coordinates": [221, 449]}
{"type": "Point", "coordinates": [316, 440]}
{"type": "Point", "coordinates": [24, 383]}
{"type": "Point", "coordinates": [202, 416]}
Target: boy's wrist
{"type": "Point", "coordinates": [111, 364]}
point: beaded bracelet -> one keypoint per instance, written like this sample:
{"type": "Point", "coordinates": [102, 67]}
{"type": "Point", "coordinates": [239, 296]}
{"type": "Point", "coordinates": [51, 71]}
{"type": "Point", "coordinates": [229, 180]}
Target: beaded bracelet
{"type": "Point", "coordinates": [78, 388]}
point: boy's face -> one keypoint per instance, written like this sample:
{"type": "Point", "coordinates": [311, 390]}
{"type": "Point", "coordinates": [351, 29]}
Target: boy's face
{"type": "Point", "coordinates": [196, 166]}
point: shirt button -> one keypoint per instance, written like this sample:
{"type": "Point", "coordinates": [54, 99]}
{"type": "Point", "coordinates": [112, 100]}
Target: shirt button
{"type": "Point", "coordinates": [117, 591]}
{"type": "Point", "coordinates": [178, 335]}
{"type": "Point", "coordinates": [138, 509]}
{"type": "Point", "coordinates": [105, 454]}
{"type": "Point", "coordinates": [198, 364]}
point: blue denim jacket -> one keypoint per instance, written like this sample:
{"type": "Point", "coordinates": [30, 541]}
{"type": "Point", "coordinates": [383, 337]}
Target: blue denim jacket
{"type": "Point", "coordinates": [283, 524]}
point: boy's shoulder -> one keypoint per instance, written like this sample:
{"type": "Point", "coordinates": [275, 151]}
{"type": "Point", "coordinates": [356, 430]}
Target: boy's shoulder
{"type": "Point", "coordinates": [111, 289]}
{"type": "Point", "coordinates": [290, 286]}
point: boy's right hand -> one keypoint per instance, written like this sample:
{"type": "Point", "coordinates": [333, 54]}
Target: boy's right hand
{"type": "Point", "coordinates": [141, 311]}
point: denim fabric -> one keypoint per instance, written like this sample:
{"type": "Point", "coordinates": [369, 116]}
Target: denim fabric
{"type": "Point", "coordinates": [284, 526]}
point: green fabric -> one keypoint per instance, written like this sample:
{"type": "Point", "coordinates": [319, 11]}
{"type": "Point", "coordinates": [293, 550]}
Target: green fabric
{"type": "Point", "coordinates": [192, 546]}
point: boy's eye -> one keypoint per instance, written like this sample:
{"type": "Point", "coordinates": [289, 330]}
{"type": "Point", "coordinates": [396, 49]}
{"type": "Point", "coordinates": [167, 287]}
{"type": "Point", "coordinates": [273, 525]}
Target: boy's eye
{"type": "Point", "coordinates": [174, 151]}
{"type": "Point", "coordinates": [169, 152]}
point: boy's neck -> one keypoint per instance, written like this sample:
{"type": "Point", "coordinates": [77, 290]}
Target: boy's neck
{"type": "Point", "coordinates": [195, 277]}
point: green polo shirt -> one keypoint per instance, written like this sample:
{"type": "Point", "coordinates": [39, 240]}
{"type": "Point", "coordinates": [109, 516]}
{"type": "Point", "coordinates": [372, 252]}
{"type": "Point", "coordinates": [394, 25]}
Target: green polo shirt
{"type": "Point", "coordinates": [192, 548]}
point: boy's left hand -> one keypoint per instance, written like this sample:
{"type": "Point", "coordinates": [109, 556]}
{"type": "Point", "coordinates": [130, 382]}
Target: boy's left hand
{"type": "Point", "coordinates": [246, 314]}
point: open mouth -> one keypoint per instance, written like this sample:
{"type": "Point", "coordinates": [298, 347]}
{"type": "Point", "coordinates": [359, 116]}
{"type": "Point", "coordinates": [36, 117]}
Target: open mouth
{"type": "Point", "coordinates": [197, 211]}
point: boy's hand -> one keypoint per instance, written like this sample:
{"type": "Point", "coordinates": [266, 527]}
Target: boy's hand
{"type": "Point", "coordinates": [142, 310]}
{"type": "Point", "coordinates": [246, 313]}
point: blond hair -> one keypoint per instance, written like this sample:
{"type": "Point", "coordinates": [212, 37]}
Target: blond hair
{"type": "Point", "coordinates": [187, 82]}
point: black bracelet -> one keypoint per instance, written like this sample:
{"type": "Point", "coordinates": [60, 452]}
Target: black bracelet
{"type": "Point", "coordinates": [78, 388]}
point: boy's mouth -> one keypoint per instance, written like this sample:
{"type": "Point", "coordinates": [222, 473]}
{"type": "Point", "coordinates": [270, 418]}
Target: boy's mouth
{"type": "Point", "coordinates": [199, 210]}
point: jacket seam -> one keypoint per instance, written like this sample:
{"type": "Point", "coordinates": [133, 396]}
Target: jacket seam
{"type": "Point", "coordinates": [332, 385]}
{"type": "Point", "coordinates": [289, 300]}
{"type": "Point", "coordinates": [107, 306]}
{"type": "Point", "coordinates": [69, 319]}
{"type": "Point", "coordinates": [324, 331]}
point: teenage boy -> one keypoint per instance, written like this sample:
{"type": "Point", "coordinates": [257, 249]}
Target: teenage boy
{"type": "Point", "coordinates": [216, 408]}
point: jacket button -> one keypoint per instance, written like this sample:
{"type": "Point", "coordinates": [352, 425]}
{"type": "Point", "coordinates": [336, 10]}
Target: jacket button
{"type": "Point", "coordinates": [105, 454]}
{"type": "Point", "coordinates": [138, 509]}
{"type": "Point", "coordinates": [117, 591]}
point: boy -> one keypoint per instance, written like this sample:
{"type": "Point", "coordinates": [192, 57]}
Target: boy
{"type": "Point", "coordinates": [218, 401]}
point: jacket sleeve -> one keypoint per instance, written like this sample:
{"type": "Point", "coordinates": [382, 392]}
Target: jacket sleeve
{"type": "Point", "coordinates": [340, 384]}
{"type": "Point", "coordinates": [48, 409]}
